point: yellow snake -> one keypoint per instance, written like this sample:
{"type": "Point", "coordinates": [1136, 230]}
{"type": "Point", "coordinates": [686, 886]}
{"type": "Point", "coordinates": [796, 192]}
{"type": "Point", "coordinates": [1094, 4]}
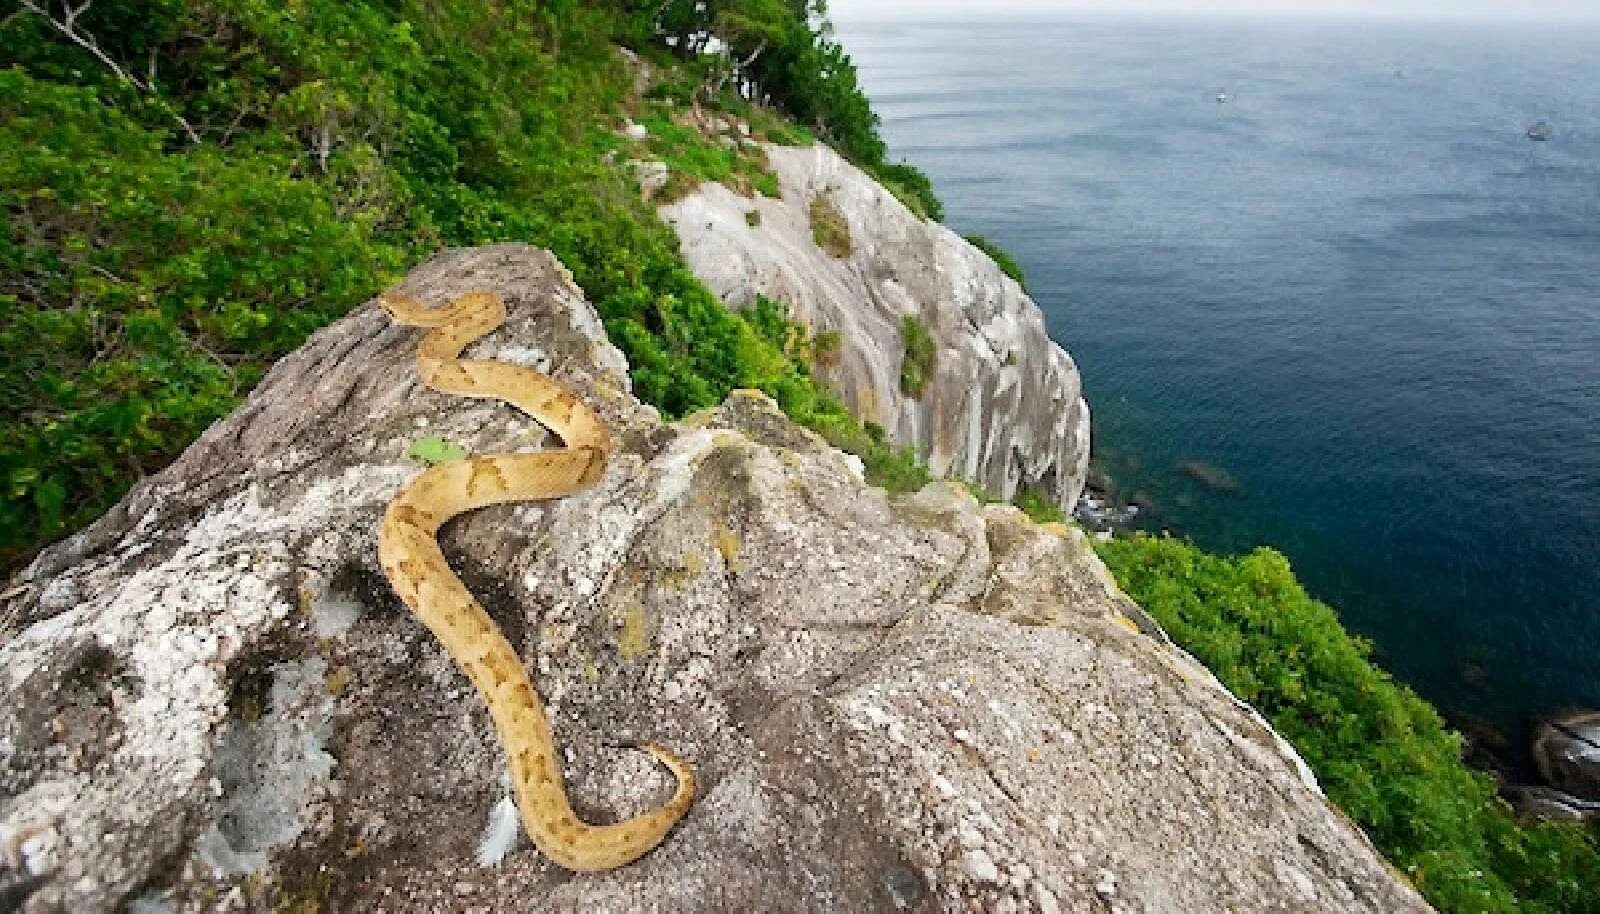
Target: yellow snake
{"type": "Point", "coordinates": [408, 550]}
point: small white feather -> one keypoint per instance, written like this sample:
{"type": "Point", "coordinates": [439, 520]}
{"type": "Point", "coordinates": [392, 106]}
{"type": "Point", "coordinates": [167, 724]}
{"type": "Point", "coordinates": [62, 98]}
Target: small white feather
{"type": "Point", "coordinates": [500, 835]}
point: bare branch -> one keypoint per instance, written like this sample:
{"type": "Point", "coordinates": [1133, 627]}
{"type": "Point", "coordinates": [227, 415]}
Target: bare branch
{"type": "Point", "coordinates": [67, 25]}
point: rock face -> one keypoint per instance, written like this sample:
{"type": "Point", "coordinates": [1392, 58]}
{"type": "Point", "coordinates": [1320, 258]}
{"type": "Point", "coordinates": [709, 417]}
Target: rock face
{"type": "Point", "coordinates": [214, 702]}
{"type": "Point", "coordinates": [1004, 406]}
{"type": "Point", "coordinates": [1567, 751]}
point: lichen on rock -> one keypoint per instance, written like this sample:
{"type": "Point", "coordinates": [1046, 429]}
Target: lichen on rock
{"type": "Point", "coordinates": [909, 703]}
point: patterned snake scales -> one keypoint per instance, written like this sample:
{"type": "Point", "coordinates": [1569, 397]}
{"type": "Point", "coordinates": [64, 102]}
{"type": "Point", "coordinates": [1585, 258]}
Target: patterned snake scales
{"type": "Point", "coordinates": [408, 550]}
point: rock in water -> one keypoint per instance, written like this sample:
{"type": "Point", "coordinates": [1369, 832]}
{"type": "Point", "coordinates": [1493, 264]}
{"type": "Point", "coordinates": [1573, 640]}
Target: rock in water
{"type": "Point", "coordinates": [1003, 407]}
{"type": "Point", "coordinates": [1567, 751]}
{"type": "Point", "coordinates": [215, 701]}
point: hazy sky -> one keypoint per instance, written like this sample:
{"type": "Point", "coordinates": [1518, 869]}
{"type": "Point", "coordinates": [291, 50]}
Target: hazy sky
{"type": "Point", "coordinates": [1510, 9]}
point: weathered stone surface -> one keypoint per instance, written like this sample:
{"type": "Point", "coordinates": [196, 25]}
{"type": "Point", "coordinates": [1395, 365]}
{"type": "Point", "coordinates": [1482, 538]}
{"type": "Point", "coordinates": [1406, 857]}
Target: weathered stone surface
{"type": "Point", "coordinates": [1004, 408]}
{"type": "Point", "coordinates": [215, 702]}
{"type": "Point", "coordinates": [1567, 751]}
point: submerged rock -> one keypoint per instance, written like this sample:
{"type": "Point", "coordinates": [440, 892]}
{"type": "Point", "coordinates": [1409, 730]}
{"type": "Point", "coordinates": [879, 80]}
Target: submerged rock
{"type": "Point", "coordinates": [1003, 406]}
{"type": "Point", "coordinates": [893, 704]}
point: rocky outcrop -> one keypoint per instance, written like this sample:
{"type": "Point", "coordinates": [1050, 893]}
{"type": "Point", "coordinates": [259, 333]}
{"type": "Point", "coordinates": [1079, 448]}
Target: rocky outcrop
{"type": "Point", "coordinates": [214, 701]}
{"type": "Point", "coordinates": [1567, 752]}
{"type": "Point", "coordinates": [1003, 408]}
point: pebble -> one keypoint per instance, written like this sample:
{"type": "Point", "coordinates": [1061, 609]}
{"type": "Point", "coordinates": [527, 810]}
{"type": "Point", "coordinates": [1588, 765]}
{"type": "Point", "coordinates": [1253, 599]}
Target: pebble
{"type": "Point", "coordinates": [979, 866]}
{"type": "Point", "coordinates": [1106, 884]}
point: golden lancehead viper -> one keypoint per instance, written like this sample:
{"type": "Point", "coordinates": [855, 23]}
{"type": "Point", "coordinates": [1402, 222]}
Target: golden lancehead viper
{"type": "Point", "coordinates": [408, 550]}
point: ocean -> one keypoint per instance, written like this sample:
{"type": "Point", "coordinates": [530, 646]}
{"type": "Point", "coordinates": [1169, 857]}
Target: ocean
{"type": "Point", "coordinates": [1351, 293]}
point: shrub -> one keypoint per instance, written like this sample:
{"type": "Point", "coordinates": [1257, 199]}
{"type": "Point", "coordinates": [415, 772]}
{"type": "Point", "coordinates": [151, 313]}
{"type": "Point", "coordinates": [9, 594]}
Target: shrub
{"type": "Point", "coordinates": [1382, 754]}
{"type": "Point", "coordinates": [793, 60]}
{"type": "Point", "coordinates": [826, 348]}
{"type": "Point", "coordinates": [921, 356]}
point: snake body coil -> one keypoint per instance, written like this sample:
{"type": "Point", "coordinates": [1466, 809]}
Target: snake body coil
{"type": "Point", "coordinates": [408, 551]}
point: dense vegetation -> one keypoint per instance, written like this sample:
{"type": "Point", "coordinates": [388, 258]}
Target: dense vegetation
{"type": "Point", "coordinates": [191, 186]}
{"type": "Point", "coordinates": [786, 49]}
{"type": "Point", "coordinates": [1382, 754]}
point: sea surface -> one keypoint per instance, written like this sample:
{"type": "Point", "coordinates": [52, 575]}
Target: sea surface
{"type": "Point", "coordinates": [1355, 287]}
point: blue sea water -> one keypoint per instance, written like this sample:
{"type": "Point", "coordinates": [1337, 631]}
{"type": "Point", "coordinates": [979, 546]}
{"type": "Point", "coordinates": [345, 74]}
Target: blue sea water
{"type": "Point", "coordinates": [1356, 286]}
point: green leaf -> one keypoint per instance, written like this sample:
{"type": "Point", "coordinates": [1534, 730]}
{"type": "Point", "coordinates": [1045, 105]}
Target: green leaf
{"type": "Point", "coordinates": [434, 450]}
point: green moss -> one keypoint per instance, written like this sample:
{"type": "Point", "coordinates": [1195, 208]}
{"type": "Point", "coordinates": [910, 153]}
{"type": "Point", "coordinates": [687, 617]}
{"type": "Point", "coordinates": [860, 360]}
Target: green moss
{"type": "Point", "coordinates": [828, 227]}
{"type": "Point", "coordinates": [1382, 754]}
{"type": "Point", "coordinates": [921, 356]}
{"type": "Point", "coordinates": [1039, 508]}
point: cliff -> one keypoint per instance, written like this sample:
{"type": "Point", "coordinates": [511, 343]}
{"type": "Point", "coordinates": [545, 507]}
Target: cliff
{"type": "Point", "coordinates": [893, 704]}
{"type": "Point", "coordinates": [1003, 406]}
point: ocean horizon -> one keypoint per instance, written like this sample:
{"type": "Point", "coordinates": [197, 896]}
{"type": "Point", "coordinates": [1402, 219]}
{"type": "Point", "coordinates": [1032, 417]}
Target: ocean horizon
{"type": "Point", "coordinates": [1326, 295]}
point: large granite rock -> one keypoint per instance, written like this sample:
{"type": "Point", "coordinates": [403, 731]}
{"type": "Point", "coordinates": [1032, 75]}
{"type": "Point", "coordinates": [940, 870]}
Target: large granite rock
{"type": "Point", "coordinates": [214, 702]}
{"type": "Point", "coordinates": [1004, 408]}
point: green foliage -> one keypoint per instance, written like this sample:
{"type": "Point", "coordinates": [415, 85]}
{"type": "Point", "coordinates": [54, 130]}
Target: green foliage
{"type": "Point", "coordinates": [164, 243]}
{"type": "Point", "coordinates": [1007, 264]}
{"type": "Point", "coordinates": [142, 292]}
{"type": "Point", "coordinates": [789, 54]}
{"type": "Point", "coordinates": [828, 227]}
{"type": "Point", "coordinates": [1041, 509]}
{"type": "Point", "coordinates": [694, 157]}
{"type": "Point", "coordinates": [921, 356]}
{"type": "Point", "coordinates": [434, 450]}
{"type": "Point", "coordinates": [1382, 753]}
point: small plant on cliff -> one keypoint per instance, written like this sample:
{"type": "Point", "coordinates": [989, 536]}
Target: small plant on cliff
{"type": "Point", "coordinates": [1041, 509]}
{"type": "Point", "coordinates": [828, 227]}
{"type": "Point", "coordinates": [921, 356]}
{"type": "Point", "coordinates": [1007, 264]}
{"type": "Point", "coordinates": [826, 347]}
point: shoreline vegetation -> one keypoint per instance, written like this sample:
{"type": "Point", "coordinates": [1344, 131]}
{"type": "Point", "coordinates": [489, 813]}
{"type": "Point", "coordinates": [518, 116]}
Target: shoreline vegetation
{"type": "Point", "coordinates": [193, 187]}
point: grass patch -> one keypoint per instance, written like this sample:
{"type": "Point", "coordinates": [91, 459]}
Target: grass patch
{"type": "Point", "coordinates": [828, 227]}
{"type": "Point", "coordinates": [696, 152]}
